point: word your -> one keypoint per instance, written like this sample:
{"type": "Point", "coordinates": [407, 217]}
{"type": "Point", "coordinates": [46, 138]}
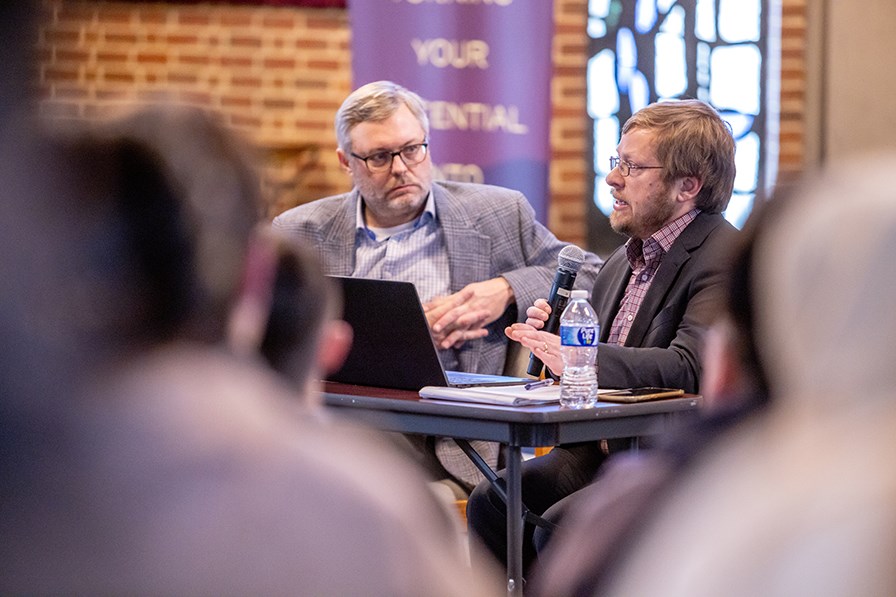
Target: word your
{"type": "Point", "coordinates": [445, 53]}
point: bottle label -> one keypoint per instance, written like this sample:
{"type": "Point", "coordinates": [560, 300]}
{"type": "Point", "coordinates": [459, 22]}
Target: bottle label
{"type": "Point", "coordinates": [578, 336]}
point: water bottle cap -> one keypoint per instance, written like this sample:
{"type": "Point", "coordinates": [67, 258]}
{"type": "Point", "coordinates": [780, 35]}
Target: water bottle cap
{"type": "Point", "coordinates": [578, 294]}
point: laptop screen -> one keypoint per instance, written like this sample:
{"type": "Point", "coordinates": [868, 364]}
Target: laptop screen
{"type": "Point", "coordinates": [392, 346]}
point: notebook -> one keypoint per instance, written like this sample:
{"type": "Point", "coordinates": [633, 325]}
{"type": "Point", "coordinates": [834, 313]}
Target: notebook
{"type": "Point", "coordinates": [392, 346]}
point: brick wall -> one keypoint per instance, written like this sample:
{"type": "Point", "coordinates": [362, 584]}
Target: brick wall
{"type": "Point", "coordinates": [278, 74]}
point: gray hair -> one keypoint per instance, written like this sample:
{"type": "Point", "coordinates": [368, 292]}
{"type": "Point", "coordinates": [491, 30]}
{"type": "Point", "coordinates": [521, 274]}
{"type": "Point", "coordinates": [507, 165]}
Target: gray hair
{"type": "Point", "coordinates": [376, 102]}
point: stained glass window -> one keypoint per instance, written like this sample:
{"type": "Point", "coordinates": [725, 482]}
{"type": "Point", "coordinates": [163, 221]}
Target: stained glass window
{"type": "Point", "coordinates": [725, 52]}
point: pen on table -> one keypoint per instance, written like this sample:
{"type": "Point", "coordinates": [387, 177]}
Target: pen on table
{"type": "Point", "coordinates": [542, 383]}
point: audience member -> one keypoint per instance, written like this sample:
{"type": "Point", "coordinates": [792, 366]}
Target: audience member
{"type": "Point", "coordinates": [281, 273]}
{"type": "Point", "coordinates": [157, 461]}
{"type": "Point", "coordinates": [654, 297]}
{"type": "Point", "coordinates": [475, 252]}
{"type": "Point", "coordinates": [798, 500]}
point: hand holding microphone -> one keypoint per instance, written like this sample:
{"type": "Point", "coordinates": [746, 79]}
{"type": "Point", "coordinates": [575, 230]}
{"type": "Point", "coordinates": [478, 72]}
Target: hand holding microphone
{"type": "Point", "coordinates": [569, 261]}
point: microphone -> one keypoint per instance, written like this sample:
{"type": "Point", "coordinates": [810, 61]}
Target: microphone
{"type": "Point", "coordinates": [569, 261]}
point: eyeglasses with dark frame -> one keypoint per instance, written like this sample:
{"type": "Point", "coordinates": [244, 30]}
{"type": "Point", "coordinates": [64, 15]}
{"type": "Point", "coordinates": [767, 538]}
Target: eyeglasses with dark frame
{"type": "Point", "coordinates": [381, 161]}
{"type": "Point", "coordinates": [625, 168]}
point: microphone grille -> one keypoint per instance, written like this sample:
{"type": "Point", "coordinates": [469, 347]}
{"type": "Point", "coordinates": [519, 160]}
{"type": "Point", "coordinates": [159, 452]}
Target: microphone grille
{"type": "Point", "coordinates": [571, 258]}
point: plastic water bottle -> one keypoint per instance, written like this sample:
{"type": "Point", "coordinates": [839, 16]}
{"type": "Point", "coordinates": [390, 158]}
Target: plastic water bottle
{"type": "Point", "coordinates": [578, 347]}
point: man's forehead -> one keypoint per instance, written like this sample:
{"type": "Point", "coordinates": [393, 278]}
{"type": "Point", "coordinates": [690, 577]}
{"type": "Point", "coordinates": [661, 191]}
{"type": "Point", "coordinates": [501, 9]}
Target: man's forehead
{"type": "Point", "coordinates": [394, 132]}
{"type": "Point", "coordinates": [638, 141]}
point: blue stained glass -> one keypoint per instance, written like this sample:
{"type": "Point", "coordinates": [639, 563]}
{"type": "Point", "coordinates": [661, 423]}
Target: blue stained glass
{"type": "Point", "coordinates": [597, 28]}
{"type": "Point", "coordinates": [671, 65]}
{"type": "Point", "coordinates": [664, 5]}
{"type": "Point", "coordinates": [739, 208]}
{"type": "Point", "coordinates": [741, 124]}
{"type": "Point", "coordinates": [606, 135]}
{"type": "Point", "coordinates": [627, 56]}
{"type": "Point", "coordinates": [603, 95]}
{"type": "Point", "coordinates": [705, 26]}
{"type": "Point", "coordinates": [674, 22]}
{"type": "Point", "coordinates": [702, 67]}
{"type": "Point", "coordinates": [645, 15]}
{"type": "Point", "coordinates": [638, 92]}
{"type": "Point", "coordinates": [599, 8]}
{"type": "Point", "coordinates": [735, 78]}
{"type": "Point", "coordinates": [603, 195]}
{"type": "Point", "coordinates": [739, 21]}
{"type": "Point", "coordinates": [747, 161]}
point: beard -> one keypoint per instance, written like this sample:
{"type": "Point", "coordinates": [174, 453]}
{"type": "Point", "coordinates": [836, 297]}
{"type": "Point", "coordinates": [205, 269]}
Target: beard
{"type": "Point", "coordinates": [655, 212]}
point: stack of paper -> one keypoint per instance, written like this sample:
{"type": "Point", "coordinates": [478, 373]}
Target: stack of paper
{"type": "Point", "coordinates": [505, 395]}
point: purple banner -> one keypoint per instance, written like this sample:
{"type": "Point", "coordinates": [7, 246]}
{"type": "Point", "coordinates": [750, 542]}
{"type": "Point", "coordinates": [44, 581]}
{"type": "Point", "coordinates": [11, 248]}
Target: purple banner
{"type": "Point", "coordinates": [484, 68]}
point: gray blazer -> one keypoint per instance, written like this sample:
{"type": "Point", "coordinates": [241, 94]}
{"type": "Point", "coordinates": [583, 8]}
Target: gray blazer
{"type": "Point", "coordinates": [489, 231]}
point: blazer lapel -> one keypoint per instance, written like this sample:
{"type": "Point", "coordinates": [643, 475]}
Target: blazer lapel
{"type": "Point", "coordinates": [666, 276]}
{"type": "Point", "coordinates": [468, 250]}
{"type": "Point", "coordinates": [339, 238]}
{"type": "Point", "coordinates": [606, 299]}
{"type": "Point", "coordinates": [468, 259]}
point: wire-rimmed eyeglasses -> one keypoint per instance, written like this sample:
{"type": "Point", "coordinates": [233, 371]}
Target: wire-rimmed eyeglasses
{"type": "Point", "coordinates": [625, 168]}
{"type": "Point", "coordinates": [380, 161]}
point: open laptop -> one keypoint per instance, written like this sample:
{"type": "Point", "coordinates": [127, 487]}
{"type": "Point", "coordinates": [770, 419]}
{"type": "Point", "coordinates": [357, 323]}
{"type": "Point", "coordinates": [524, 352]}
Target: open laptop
{"type": "Point", "coordinates": [392, 346]}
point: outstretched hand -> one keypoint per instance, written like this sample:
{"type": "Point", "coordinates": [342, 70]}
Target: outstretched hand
{"type": "Point", "coordinates": [544, 345]}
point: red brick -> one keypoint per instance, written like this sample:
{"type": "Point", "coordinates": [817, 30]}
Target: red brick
{"type": "Point", "coordinates": [194, 59]}
{"type": "Point", "coordinates": [236, 102]}
{"type": "Point", "coordinates": [123, 38]}
{"type": "Point", "coordinates": [119, 77]}
{"type": "Point", "coordinates": [182, 39]}
{"type": "Point", "coordinates": [279, 22]}
{"type": "Point", "coordinates": [279, 104]}
{"type": "Point", "coordinates": [331, 24]}
{"type": "Point", "coordinates": [329, 65]}
{"type": "Point", "coordinates": [236, 61]}
{"type": "Point", "coordinates": [56, 36]}
{"type": "Point", "coordinates": [245, 41]}
{"type": "Point", "coordinates": [189, 17]}
{"type": "Point", "coordinates": [183, 78]}
{"type": "Point", "coordinates": [241, 19]}
{"type": "Point", "coordinates": [310, 44]}
{"type": "Point", "coordinates": [63, 55]}
{"type": "Point", "coordinates": [54, 74]}
{"type": "Point", "coordinates": [279, 63]}
{"type": "Point", "coordinates": [76, 11]}
{"type": "Point", "coordinates": [106, 56]}
{"type": "Point", "coordinates": [109, 14]}
{"type": "Point", "coordinates": [245, 81]}
{"type": "Point", "coordinates": [146, 58]}
{"type": "Point", "coordinates": [153, 14]}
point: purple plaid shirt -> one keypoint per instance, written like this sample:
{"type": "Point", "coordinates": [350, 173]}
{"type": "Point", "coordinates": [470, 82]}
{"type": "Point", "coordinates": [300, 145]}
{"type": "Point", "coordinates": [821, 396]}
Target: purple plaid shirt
{"type": "Point", "coordinates": [645, 257]}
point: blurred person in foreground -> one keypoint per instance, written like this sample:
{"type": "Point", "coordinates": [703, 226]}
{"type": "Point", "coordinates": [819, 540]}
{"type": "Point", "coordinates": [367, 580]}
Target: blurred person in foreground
{"type": "Point", "coordinates": [800, 500]}
{"type": "Point", "coordinates": [475, 252]}
{"type": "Point", "coordinates": [655, 296]}
{"type": "Point", "coordinates": [140, 455]}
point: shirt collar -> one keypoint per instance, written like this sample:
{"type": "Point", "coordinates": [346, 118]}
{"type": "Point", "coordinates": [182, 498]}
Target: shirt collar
{"type": "Point", "coordinates": [428, 215]}
{"type": "Point", "coordinates": [640, 251]}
